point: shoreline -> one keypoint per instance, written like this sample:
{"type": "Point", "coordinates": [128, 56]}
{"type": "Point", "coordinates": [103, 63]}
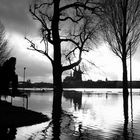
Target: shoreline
{"type": "Point", "coordinates": [13, 116]}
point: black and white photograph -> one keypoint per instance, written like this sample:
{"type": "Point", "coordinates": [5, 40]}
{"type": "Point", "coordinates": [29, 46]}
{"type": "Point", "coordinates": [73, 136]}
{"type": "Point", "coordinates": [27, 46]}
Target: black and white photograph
{"type": "Point", "coordinates": [70, 69]}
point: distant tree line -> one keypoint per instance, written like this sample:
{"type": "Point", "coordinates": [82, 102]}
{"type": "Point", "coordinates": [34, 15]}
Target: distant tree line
{"type": "Point", "coordinates": [100, 84]}
{"type": "Point", "coordinates": [35, 85]}
{"type": "Point", "coordinates": [83, 84]}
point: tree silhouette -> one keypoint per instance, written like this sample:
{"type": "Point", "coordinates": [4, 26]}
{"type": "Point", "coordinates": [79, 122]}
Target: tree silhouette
{"type": "Point", "coordinates": [4, 52]}
{"type": "Point", "coordinates": [67, 30]}
{"type": "Point", "coordinates": [121, 29]}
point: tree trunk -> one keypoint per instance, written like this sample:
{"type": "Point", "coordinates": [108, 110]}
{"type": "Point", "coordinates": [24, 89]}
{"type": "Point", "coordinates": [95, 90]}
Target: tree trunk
{"type": "Point", "coordinates": [125, 130]}
{"type": "Point", "coordinates": [125, 89]}
{"type": "Point", "coordinates": [57, 89]}
{"type": "Point", "coordinates": [56, 129]}
{"type": "Point", "coordinates": [57, 67]}
{"type": "Point", "coordinates": [57, 95]}
{"type": "Point", "coordinates": [56, 112]}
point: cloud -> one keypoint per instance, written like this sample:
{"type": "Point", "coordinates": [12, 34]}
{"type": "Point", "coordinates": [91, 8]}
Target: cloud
{"type": "Point", "coordinates": [15, 16]}
{"type": "Point", "coordinates": [18, 22]}
{"type": "Point", "coordinates": [38, 67]}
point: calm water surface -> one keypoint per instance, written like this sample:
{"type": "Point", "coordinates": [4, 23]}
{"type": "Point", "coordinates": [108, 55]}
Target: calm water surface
{"type": "Point", "coordinates": [88, 114]}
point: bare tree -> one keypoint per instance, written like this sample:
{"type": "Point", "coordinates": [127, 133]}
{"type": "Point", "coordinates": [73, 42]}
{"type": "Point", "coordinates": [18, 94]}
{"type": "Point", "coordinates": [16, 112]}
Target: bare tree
{"type": "Point", "coordinates": [66, 29]}
{"type": "Point", "coordinates": [4, 52]}
{"type": "Point", "coordinates": [121, 29]}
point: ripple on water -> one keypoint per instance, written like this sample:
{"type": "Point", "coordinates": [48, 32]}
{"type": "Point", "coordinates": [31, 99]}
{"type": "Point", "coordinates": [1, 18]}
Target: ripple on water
{"type": "Point", "coordinates": [71, 129]}
{"type": "Point", "coordinates": [99, 118]}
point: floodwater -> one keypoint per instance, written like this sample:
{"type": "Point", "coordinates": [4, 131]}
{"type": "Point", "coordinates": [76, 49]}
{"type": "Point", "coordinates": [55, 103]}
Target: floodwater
{"type": "Point", "coordinates": [89, 114]}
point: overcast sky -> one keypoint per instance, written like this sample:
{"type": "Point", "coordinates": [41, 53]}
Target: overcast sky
{"type": "Point", "coordinates": [18, 23]}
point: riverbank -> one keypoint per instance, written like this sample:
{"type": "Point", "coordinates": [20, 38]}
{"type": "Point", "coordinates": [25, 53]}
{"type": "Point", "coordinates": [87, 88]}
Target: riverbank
{"type": "Point", "coordinates": [18, 116]}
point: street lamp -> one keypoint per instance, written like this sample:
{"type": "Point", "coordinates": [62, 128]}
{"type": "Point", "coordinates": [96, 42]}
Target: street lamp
{"type": "Point", "coordinates": [24, 75]}
{"type": "Point", "coordinates": [23, 82]}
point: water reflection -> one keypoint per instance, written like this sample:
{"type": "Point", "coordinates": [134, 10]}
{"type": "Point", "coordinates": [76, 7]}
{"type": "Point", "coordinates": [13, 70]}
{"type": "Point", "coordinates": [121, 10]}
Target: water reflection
{"type": "Point", "coordinates": [124, 134]}
{"type": "Point", "coordinates": [8, 133]}
{"type": "Point", "coordinates": [56, 123]}
{"type": "Point", "coordinates": [74, 97]}
{"type": "Point", "coordinates": [125, 130]}
{"type": "Point", "coordinates": [87, 115]}
{"type": "Point", "coordinates": [61, 120]}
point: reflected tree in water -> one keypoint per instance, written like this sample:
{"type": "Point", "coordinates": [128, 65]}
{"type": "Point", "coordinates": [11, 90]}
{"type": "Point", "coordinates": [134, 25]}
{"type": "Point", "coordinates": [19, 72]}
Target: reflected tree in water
{"type": "Point", "coordinates": [121, 29]}
{"type": "Point", "coordinates": [74, 97]}
{"type": "Point", "coordinates": [125, 130]}
{"type": "Point", "coordinates": [56, 122]}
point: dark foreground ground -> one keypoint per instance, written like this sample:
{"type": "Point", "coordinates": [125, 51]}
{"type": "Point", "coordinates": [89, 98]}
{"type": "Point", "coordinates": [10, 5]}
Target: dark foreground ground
{"type": "Point", "coordinates": [12, 116]}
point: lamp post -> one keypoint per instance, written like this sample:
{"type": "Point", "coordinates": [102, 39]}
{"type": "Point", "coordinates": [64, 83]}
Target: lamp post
{"type": "Point", "coordinates": [24, 75]}
{"type": "Point", "coordinates": [23, 82]}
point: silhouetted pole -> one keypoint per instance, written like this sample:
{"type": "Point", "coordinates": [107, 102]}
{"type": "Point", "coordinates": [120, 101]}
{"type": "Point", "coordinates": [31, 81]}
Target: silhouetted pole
{"type": "Point", "coordinates": [23, 82]}
{"type": "Point", "coordinates": [27, 102]}
{"type": "Point", "coordinates": [131, 81]}
{"type": "Point", "coordinates": [24, 75]}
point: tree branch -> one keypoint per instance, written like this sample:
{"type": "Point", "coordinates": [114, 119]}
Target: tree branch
{"type": "Point", "coordinates": [72, 65]}
{"type": "Point", "coordinates": [43, 4]}
{"type": "Point", "coordinates": [33, 47]}
{"type": "Point", "coordinates": [78, 4]}
{"type": "Point", "coordinates": [42, 21]}
{"type": "Point", "coordinates": [70, 18]}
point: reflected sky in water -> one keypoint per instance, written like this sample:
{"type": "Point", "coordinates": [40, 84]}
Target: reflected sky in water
{"type": "Point", "coordinates": [93, 115]}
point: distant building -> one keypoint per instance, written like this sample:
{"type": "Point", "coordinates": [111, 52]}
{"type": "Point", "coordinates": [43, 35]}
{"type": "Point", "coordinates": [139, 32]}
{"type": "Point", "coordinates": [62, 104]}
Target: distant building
{"type": "Point", "coordinates": [75, 76]}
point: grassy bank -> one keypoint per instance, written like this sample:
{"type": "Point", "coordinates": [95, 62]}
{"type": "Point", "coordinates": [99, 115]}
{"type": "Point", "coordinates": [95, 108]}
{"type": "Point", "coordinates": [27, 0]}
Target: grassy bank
{"type": "Point", "coordinates": [18, 116]}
